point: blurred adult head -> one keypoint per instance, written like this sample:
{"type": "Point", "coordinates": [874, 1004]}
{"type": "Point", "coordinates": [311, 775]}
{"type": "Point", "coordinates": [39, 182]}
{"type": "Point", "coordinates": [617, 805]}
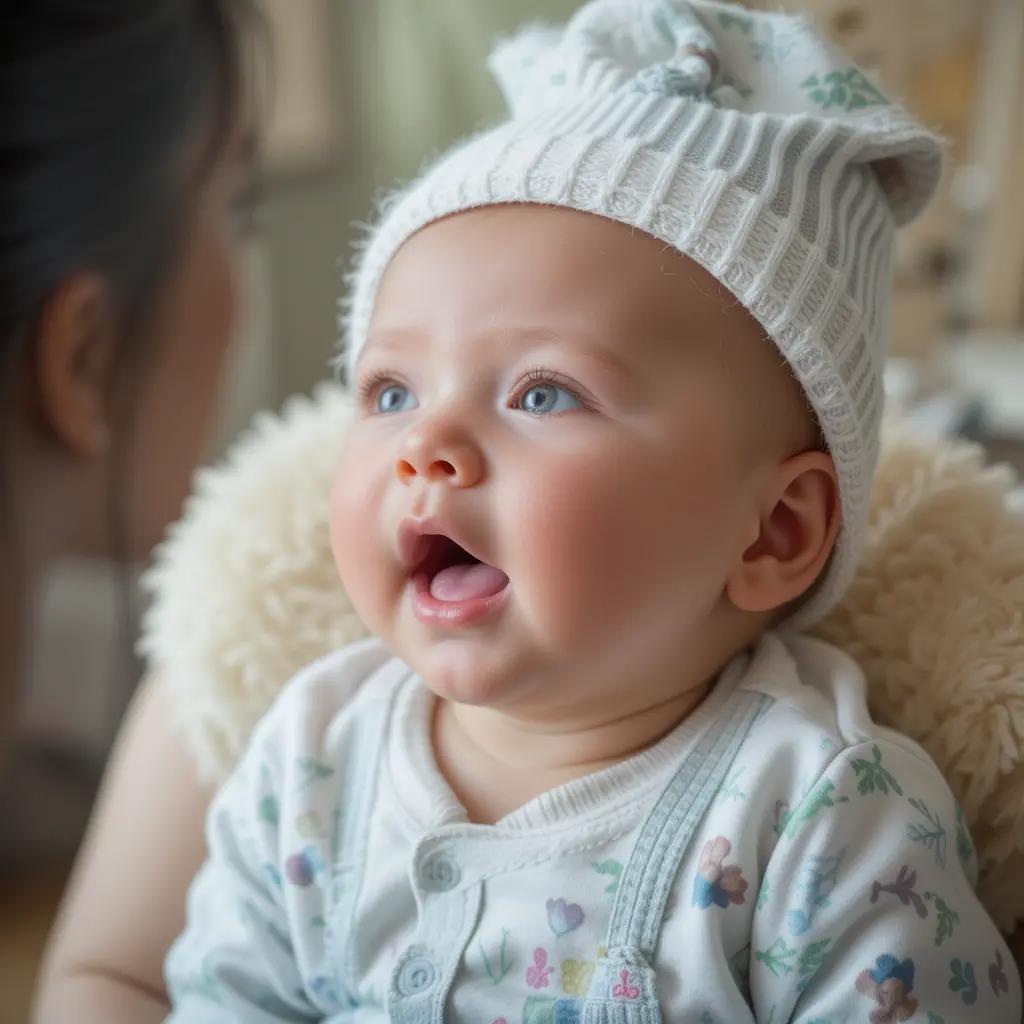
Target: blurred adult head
{"type": "Point", "coordinates": [123, 161]}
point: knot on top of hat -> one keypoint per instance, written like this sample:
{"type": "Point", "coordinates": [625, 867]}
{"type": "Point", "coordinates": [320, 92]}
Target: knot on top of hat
{"type": "Point", "coordinates": [690, 73]}
{"type": "Point", "coordinates": [693, 68]}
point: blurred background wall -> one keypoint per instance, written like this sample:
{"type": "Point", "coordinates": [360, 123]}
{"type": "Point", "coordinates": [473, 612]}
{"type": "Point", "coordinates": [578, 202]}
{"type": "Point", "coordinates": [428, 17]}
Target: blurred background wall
{"type": "Point", "coordinates": [362, 92]}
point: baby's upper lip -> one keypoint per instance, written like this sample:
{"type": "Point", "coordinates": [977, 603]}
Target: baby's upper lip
{"type": "Point", "coordinates": [413, 544]}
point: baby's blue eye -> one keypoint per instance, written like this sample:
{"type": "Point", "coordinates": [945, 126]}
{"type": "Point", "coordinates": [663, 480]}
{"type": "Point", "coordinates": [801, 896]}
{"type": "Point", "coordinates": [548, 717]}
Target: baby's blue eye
{"type": "Point", "coordinates": [543, 398]}
{"type": "Point", "coordinates": [395, 398]}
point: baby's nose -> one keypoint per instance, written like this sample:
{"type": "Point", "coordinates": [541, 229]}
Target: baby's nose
{"type": "Point", "coordinates": [439, 460]}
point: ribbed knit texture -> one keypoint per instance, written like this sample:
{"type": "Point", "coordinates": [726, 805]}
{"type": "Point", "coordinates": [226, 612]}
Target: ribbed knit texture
{"type": "Point", "coordinates": [743, 141]}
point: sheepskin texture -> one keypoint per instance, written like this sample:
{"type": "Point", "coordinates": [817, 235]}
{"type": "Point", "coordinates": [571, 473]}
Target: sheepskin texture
{"type": "Point", "coordinates": [244, 592]}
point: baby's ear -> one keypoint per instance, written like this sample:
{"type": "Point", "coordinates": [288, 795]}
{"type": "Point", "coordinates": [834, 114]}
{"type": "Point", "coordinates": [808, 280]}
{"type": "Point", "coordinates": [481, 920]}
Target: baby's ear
{"type": "Point", "coordinates": [799, 522]}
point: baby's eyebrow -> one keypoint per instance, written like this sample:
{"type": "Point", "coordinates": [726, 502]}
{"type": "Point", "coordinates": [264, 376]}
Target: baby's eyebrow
{"type": "Point", "coordinates": [586, 343]}
{"type": "Point", "coordinates": [394, 338]}
{"type": "Point", "coordinates": [583, 341]}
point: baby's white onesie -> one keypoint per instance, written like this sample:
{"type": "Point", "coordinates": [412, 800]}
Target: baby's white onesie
{"type": "Point", "coordinates": [777, 858]}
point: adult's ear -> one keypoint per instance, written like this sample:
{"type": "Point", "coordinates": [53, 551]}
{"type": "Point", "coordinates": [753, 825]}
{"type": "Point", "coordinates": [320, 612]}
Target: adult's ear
{"type": "Point", "coordinates": [74, 347]}
{"type": "Point", "coordinates": [799, 521]}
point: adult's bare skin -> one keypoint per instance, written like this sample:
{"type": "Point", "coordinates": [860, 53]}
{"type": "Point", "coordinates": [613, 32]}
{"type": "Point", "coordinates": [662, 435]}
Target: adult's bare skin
{"type": "Point", "coordinates": [125, 903]}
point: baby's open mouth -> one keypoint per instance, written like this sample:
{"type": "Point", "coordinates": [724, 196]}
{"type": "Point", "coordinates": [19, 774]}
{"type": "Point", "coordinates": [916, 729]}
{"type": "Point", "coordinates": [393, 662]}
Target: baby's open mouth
{"type": "Point", "coordinates": [453, 574]}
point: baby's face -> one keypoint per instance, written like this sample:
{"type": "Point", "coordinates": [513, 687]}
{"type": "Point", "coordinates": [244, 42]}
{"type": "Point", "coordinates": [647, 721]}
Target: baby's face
{"type": "Point", "coordinates": [587, 416]}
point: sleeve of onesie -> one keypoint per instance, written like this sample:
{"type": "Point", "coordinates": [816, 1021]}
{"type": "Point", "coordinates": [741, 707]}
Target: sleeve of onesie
{"type": "Point", "coordinates": [235, 960]}
{"type": "Point", "coordinates": [254, 947]}
{"type": "Point", "coordinates": [867, 910]}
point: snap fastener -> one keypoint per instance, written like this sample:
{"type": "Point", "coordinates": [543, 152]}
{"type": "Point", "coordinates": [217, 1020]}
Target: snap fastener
{"type": "Point", "coordinates": [439, 873]}
{"type": "Point", "coordinates": [416, 975]}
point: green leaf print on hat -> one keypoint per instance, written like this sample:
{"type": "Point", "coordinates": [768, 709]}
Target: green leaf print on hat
{"type": "Point", "coordinates": [849, 90]}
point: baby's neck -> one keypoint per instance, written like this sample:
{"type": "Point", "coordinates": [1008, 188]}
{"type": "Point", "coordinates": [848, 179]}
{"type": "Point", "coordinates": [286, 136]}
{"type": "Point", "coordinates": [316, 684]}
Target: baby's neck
{"type": "Point", "coordinates": [495, 762]}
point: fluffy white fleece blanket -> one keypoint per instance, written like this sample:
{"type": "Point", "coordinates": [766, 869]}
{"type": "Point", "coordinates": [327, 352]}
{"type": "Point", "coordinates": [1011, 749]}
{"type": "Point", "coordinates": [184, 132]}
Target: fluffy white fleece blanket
{"type": "Point", "coordinates": [244, 593]}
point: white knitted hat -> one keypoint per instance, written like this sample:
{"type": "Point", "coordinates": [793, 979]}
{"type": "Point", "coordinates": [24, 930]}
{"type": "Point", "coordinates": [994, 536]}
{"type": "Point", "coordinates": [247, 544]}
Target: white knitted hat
{"type": "Point", "coordinates": [739, 138]}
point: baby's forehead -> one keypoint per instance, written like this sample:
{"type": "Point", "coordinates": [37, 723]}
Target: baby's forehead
{"type": "Point", "coordinates": [550, 269]}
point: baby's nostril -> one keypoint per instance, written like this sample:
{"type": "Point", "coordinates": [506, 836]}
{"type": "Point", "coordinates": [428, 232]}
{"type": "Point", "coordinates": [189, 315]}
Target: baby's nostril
{"type": "Point", "coordinates": [443, 467]}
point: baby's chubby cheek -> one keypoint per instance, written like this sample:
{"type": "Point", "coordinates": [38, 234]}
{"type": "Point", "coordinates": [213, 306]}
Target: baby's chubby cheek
{"type": "Point", "coordinates": [358, 543]}
{"type": "Point", "coordinates": [616, 544]}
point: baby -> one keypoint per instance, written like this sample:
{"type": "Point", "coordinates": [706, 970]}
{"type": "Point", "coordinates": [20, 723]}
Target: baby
{"type": "Point", "coordinates": [617, 366]}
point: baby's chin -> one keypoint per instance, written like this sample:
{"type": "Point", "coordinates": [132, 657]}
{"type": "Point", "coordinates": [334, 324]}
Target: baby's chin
{"type": "Point", "coordinates": [466, 672]}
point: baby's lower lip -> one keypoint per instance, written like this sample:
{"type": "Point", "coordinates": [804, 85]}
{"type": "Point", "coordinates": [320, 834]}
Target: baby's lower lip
{"type": "Point", "coordinates": [452, 614]}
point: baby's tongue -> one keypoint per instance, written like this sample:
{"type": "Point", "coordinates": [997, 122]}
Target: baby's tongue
{"type": "Point", "coordinates": [464, 582]}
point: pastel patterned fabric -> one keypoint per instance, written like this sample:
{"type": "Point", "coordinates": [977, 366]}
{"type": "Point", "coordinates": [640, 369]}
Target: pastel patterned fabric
{"type": "Point", "coordinates": [777, 858]}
